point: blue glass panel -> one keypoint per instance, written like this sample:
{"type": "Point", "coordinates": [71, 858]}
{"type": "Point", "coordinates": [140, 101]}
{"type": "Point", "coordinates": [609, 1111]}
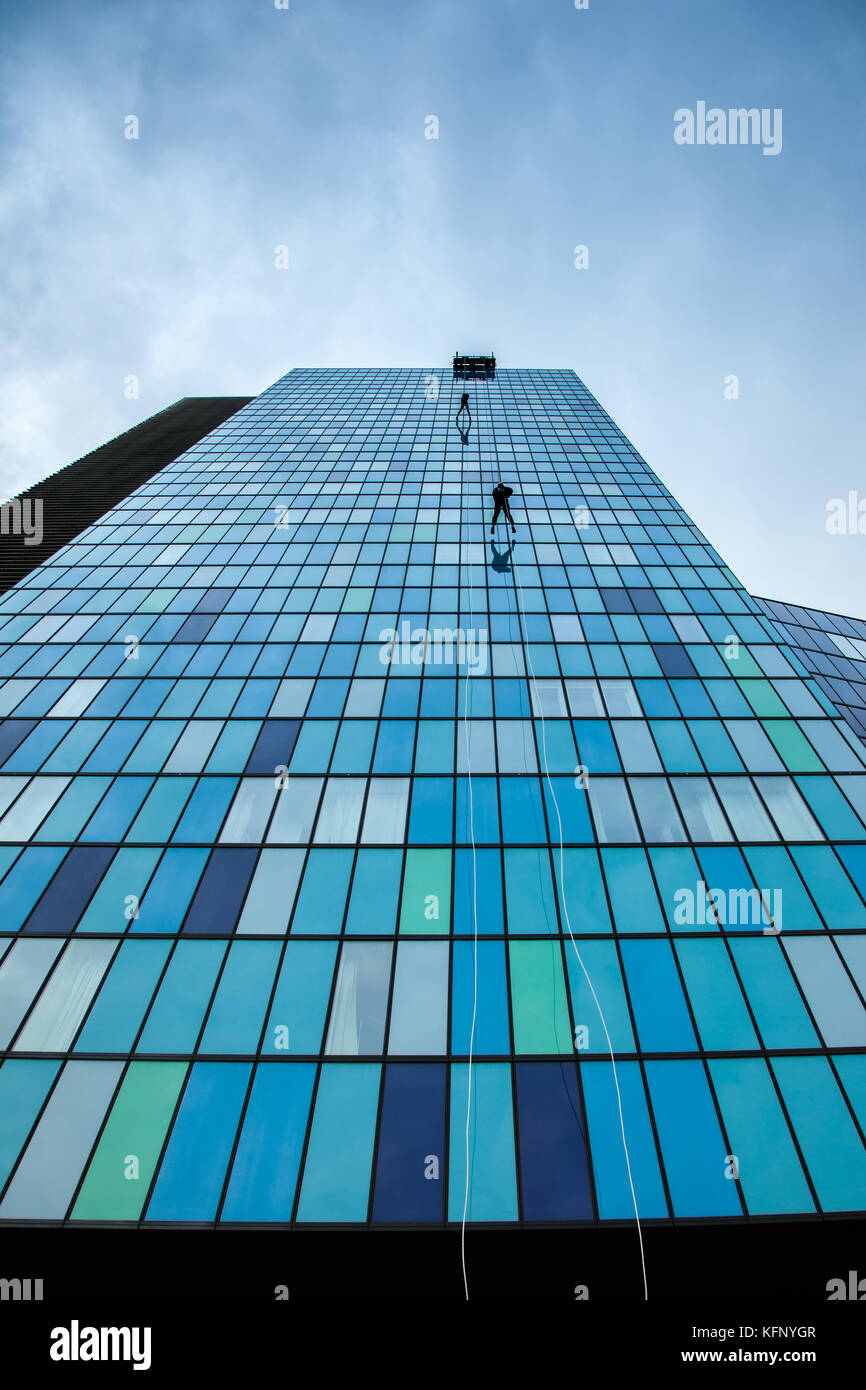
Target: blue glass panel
{"type": "Point", "coordinates": [775, 874]}
{"type": "Point", "coordinates": [164, 905]}
{"type": "Point", "coordinates": [693, 1147]}
{"type": "Point", "coordinates": [487, 895]}
{"type": "Point", "coordinates": [336, 1181]}
{"type": "Point", "coordinates": [825, 1131]}
{"type": "Point", "coordinates": [614, 1159]}
{"type": "Point", "coordinates": [375, 892]}
{"type": "Point", "coordinates": [632, 891]}
{"type": "Point", "coordinates": [220, 893]}
{"type": "Point", "coordinates": [522, 812]}
{"type": "Point", "coordinates": [660, 1011]}
{"type": "Point", "coordinates": [205, 810]}
{"type": "Point", "coordinates": [116, 1015]}
{"type": "Point", "coordinates": [410, 1167]}
{"type": "Point", "coordinates": [23, 1088]}
{"type": "Point", "coordinates": [419, 1003]}
{"type": "Point", "coordinates": [553, 1162]}
{"type": "Point", "coordinates": [24, 883]}
{"type": "Point", "coordinates": [715, 996]}
{"type": "Point", "coordinates": [477, 819]}
{"type": "Point", "coordinates": [492, 1185]}
{"type": "Point", "coordinates": [301, 998]}
{"type": "Point", "coordinates": [238, 1009]}
{"type": "Point", "coordinates": [265, 1169]}
{"type": "Point", "coordinates": [174, 1022]}
{"type": "Point", "coordinates": [430, 813]}
{"type": "Point", "coordinates": [65, 899]}
{"type": "Point", "coordinates": [602, 996]}
{"type": "Point", "coordinates": [529, 892]}
{"type": "Point", "coordinates": [838, 902]}
{"type": "Point", "coordinates": [322, 899]}
{"type": "Point", "coordinates": [770, 1172]}
{"type": "Point", "coordinates": [832, 998]}
{"type": "Point", "coordinates": [192, 1171]}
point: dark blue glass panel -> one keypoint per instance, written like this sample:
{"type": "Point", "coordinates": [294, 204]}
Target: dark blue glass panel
{"type": "Point", "coordinates": [553, 1161]}
{"type": "Point", "coordinates": [70, 890]}
{"type": "Point", "coordinates": [12, 733]}
{"type": "Point", "coordinates": [273, 747]}
{"type": "Point", "coordinates": [673, 659]}
{"type": "Point", "coordinates": [410, 1170]}
{"type": "Point", "coordinates": [218, 897]}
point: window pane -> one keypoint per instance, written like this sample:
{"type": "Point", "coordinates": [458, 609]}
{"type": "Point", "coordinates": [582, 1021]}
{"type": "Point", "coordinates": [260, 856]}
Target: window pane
{"type": "Point", "coordinates": [745, 812]}
{"type": "Point", "coordinates": [584, 698]}
{"type": "Point", "coordinates": [361, 998]}
{"type": "Point", "coordinates": [341, 811]}
{"type": "Point", "coordinates": [296, 810]}
{"type": "Point", "coordinates": [385, 814]}
{"type": "Point", "coordinates": [788, 809]}
{"type": "Point", "coordinates": [611, 811]}
{"type": "Point", "coordinates": [66, 998]}
{"type": "Point", "coordinates": [701, 810]}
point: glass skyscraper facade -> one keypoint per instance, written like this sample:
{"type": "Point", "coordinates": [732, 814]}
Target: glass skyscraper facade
{"type": "Point", "coordinates": [339, 842]}
{"type": "Point", "coordinates": [833, 650]}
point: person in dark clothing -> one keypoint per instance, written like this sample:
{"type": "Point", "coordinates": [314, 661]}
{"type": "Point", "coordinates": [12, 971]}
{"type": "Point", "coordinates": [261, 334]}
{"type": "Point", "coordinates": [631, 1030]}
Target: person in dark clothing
{"type": "Point", "coordinates": [501, 494]}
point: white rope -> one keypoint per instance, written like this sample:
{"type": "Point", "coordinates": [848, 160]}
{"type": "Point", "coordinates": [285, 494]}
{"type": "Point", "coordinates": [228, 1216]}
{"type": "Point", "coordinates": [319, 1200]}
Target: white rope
{"type": "Point", "coordinates": [521, 615]}
{"type": "Point", "coordinates": [474, 908]}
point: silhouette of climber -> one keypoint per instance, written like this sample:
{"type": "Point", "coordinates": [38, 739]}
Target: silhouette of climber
{"type": "Point", "coordinates": [501, 558]}
{"type": "Point", "coordinates": [501, 494]}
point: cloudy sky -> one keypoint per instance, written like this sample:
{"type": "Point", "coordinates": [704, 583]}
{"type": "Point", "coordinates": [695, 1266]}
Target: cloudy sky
{"type": "Point", "coordinates": [305, 127]}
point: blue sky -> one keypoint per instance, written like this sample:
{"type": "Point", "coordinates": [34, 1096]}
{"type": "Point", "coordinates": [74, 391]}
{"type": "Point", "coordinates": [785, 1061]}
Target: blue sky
{"type": "Point", "coordinates": [262, 127]}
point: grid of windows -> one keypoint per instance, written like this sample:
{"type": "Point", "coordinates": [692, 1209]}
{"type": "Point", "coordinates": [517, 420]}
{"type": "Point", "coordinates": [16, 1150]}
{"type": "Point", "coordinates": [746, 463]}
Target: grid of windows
{"type": "Point", "coordinates": [832, 649]}
{"type": "Point", "coordinates": [308, 789]}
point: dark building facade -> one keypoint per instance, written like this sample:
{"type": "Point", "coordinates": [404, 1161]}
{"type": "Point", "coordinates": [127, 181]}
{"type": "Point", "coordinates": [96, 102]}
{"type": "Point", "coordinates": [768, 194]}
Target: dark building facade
{"type": "Point", "coordinates": [81, 493]}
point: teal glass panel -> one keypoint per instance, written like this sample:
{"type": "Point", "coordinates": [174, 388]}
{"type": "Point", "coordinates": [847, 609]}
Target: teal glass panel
{"type": "Point", "coordinates": [116, 901]}
{"type": "Point", "coordinates": [235, 1020]}
{"type": "Point", "coordinates": [825, 1131]}
{"type": "Point", "coordinates": [770, 1172]}
{"type": "Point", "coordinates": [715, 996]}
{"type": "Point", "coordinates": [116, 1015]}
{"type": "Point", "coordinates": [375, 893]}
{"type": "Point", "coordinates": [624, 1151]}
{"type": "Point", "coordinates": [632, 891]}
{"type": "Point", "coordinates": [336, 1179]}
{"type": "Point", "coordinates": [300, 1003]}
{"type": "Point", "coordinates": [322, 897]}
{"type": "Point", "coordinates": [175, 1020]}
{"type": "Point", "coordinates": [492, 1184]}
{"type": "Point", "coordinates": [598, 1003]}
